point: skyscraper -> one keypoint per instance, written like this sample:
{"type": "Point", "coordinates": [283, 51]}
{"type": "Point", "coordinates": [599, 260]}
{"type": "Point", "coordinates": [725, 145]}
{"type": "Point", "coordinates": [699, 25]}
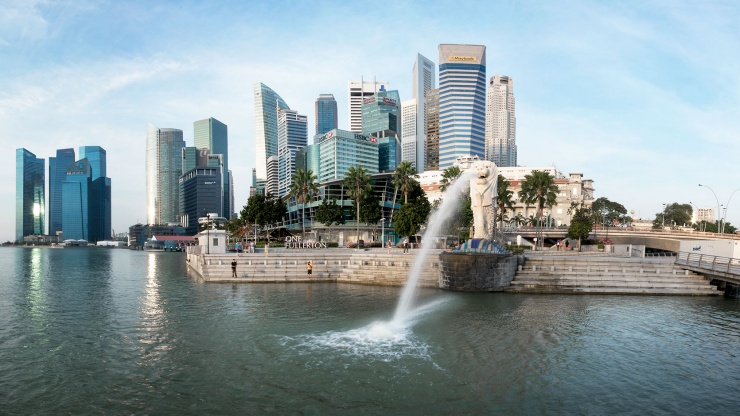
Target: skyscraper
{"type": "Point", "coordinates": [213, 135]}
{"type": "Point", "coordinates": [97, 158]}
{"type": "Point", "coordinates": [357, 92]}
{"type": "Point", "coordinates": [432, 130]}
{"type": "Point", "coordinates": [462, 102]}
{"type": "Point", "coordinates": [326, 113]}
{"type": "Point", "coordinates": [501, 121]}
{"type": "Point", "coordinates": [340, 149]}
{"type": "Point", "coordinates": [292, 137]}
{"type": "Point", "coordinates": [163, 171]}
{"type": "Point", "coordinates": [380, 119]}
{"type": "Point", "coordinates": [422, 81]}
{"type": "Point", "coordinates": [409, 111]}
{"type": "Point", "coordinates": [99, 198]}
{"type": "Point", "coordinates": [266, 103]}
{"type": "Point", "coordinates": [57, 175]}
{"type": "Point", "coordinates": [76, 201]}
{"type": "Point", "coordinates": [30, 199]}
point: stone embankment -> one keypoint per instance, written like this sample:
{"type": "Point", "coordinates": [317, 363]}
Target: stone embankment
{"type": "Point", "coordinates": [607, 275]}
{"type": "Point", "coordinates": [374, 267]}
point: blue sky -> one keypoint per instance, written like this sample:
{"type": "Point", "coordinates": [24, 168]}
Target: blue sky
{"type": "Point", "coordinates": [643, 97]}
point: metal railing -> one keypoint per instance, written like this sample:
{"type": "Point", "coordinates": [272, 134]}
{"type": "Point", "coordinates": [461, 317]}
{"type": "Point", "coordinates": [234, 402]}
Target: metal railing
{"type": "Point", "coordinates": [719, 264]}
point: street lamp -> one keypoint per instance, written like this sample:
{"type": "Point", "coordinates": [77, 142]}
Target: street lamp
{"type": "Point", "coordinates": [382, 232]}
{"type": "Point", "coordinates": [724, 218]}
{"type": "Point", "coordinates": [717, 199]}
{"type": "Point", "coordinates": [663, 217]}
{"type": "Point", "coordinates": [208, 236]}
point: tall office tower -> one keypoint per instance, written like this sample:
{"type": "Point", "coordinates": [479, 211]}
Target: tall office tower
{"type": "Point", "coordinates": [501, 121]}
{"type": "Point", "coordinates": [358, 91]}
{"type": "Point", "coordinates": [213, 135]}
{"type": "Point", "coordinates": [266, 103]}
{"type": "Point", "coordinates": [76, 201]}
{"type": "Point", "coordinates": [163, 171]}
{"type": "Point", "coordinates": [57, 174]}
{"type": "Point", "coordinates": [409, 111]}
{"type": "Point", "coordinates": [432, 130]}
{"type": "Point", "coordinates": [340, 149]}
{"type": "Point", "coordinates": [200, 186]}
{"type": "Point", "coordinates": [462, 102]}
{"type": "Point", "coordinates": [309, 158]}
{"type": "Point", "coordinates": [422, 81]}
{"type": "Point", "coordinates": [30, 199]}
{"type": "Point", "coordinates": [326, 113]}
{"type": "Point", "coordinates": [271, 183]}
{"type": "Point", "coordinates": [100, 224]}
{"type": "Point", "coordinates": [234, 213]}
{"type": "Point", "coordinates": [380, 119]}
{"type": "Point", "coordinates": [292, 137]}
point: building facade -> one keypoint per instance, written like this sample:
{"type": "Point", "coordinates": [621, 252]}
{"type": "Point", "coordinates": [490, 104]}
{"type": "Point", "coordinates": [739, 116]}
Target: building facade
{"type": "Point", "coordinates": [340, 149]}
{"type": "Point", "coordinates": [358, 91]}
{"type": "Point", "coordinates": [30, 197]}
{"type": "Point", "coordinates": [432, 130]}
{"type": "Point", "coordinates": [200, 193]}
{"type": "Point", "coordinates": [266, 103]}
{"type": "Point", "coordinates": [501, 121]}
{"type": "Point", "coordinates": [462, 102]}
{"type": "Point", "coordinates": [326, 113]}
{"type": "Point", "coordinates": [57, 175]}
{"type": "Point", "coordinates": [213, 135]}
{"type": "Point", "coordinates": [271, 184]}
{"type": "Point", "coordinates": [163, 171]}
{"type": "Point", "coordinates": [292, 137]}
{"type": "Point", "coordinates": [422, 81]}
{"type": "Point", "coordinates": [76, 191]}
{"type": "Point", "coordinates": [380, 119]}
{"type": "Point", "coordinates": [409, 111]}
{"type": "Point", "coordinates": [99, 198]}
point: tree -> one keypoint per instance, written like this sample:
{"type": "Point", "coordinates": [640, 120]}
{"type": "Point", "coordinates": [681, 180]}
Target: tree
{"type": "Point", "coordinates": [448, 176]}
{"type": "Point", "coordinates": [674, 214]}
{"type": "Point", "coordinates": [303, 188]}
{"type": "Point", "coordinates": [264, 210]}
{"type": "Point", "coordinates": [357, 182]}
{"type": "Point", "coordinates": [412, 216]}
{"type": "Point", "coordinates": [581, 222]}
{"type": "Point", "coordinates": [403, 179]}
{"type": "Point", "coordinates": [328, 213]}
{"type": "Point", "coordinates": [539, 189]}
{"type": "Point", "coordinates": [503, 198]}
{"type": "Point", "coordinates": [370, 212]}
{"type": "Point", "coordinates": [607, 213]}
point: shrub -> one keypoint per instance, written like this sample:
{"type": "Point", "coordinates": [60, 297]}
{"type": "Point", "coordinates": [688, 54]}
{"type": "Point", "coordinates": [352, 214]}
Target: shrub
{"type": "Point", "coordinates": [351, 244]}
{"type": "Point", "coordinates": [332, 244]}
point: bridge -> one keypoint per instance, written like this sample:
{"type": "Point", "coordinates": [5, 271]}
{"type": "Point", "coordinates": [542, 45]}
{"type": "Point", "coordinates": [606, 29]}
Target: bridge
{"type": "Point", "coordinates": [726, 269]}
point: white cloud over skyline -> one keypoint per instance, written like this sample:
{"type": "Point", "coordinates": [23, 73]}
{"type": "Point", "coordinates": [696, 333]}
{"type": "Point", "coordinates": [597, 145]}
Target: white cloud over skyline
{"type": "Point", "coordinates": [643, 98]}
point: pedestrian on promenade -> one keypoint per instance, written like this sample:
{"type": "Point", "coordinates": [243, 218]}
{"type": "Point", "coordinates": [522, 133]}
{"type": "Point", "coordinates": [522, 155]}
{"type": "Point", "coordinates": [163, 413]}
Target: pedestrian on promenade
{"type": "Point", "coordinates": [237, 247]}
{"type": "Point", "coordinates": [233, 268]}
{"type": "Point", "coordinates": [558, 244]}
{"type": "Point", "coordinates": [309, 269]}
{"type": "Point", "coordinates": [567, 245]}
{"type": "Point", "coordinates": [406, 246]}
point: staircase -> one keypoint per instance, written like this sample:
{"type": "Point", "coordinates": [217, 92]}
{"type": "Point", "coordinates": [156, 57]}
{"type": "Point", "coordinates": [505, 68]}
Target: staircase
{"type": "Point", "coordinates": [607, 275]}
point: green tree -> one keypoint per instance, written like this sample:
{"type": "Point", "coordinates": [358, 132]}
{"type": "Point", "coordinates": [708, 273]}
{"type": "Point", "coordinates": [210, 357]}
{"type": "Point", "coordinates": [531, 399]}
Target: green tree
{"type": "Point", "coordinates": [370, 212]}
{"type": "Point", "coordinates": [539, 189]}
{"type": "Point", "coordinates": [412, 216]}
{"type": "Point", "coordinates": [607, 213]}
{"type": "Point", "coordinates": [403, 179]}
{"type": "Point", "coordinates": [358, 184]}
{"type": "Point", "coordinates": [674, 214]}
{"type": "Point", "coordinates": [581, 222]}
{"type": "Point", "coordinates": [503, 198]}
{"type": "Point", "coordinates": [264, 210]}
{"type": "Point", "coordinates": [303, 187]}
{"type": "Point", "coordinates": [448, 176]}
{"type": "Point", "coordinates": [328, 213]}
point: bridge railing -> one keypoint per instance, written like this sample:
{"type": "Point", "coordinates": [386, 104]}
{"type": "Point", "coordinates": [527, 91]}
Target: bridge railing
{"type": "Point", "coordinates": [709, 262]}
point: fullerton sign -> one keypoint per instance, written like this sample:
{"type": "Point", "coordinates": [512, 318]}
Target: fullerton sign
{"type": "Point", "coordinates": [295, 242]}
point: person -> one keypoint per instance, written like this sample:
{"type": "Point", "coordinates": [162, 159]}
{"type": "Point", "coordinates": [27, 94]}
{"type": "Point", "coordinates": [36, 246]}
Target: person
{"type": "Point", "coordinates": [406, 246]}
{"type": "Point", "coordinates": [233, 268]}
{"type": "Point", "coordinates": [309, 269]}
{"type": "Point", "coordinates": [558, 244]}
{"type": "Point", "coordinates": [567, 245]}
{"type": "Point", "coordinates": [237, 247]}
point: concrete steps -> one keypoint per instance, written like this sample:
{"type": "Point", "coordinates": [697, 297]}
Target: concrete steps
{"type": "Point", "coordinates": [598, 275]}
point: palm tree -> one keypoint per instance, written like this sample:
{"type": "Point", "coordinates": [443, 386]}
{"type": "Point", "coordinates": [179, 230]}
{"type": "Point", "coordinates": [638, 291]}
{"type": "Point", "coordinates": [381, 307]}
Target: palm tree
{"type": "Point", "coordinates": [503, 197]}
{"type": "Point", "coordinates": [403, 179]}
{"type": "Point", "coordinates": [357, 182]}
{"type": "Point", "coordinates": [539, 189]}
{"type": "Point", "coordinates": [448, 176]}
{"type": "Point", "coordinates": [303, 188]}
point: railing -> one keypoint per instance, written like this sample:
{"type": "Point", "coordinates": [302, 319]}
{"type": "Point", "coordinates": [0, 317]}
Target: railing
{"type": "Point", "coordinates": [719, 264]}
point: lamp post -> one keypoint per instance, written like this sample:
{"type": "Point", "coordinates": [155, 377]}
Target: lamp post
{"type": "Point", "coordinates": [724, 218]}
{"type": "Point", "coordinates": [698, 224]}
{"type": "Point", "coordinates": [208, 236]}
{"type": "Point", "coordinates": [719, 213]}
{"type": "Point", "coordinates": [663, 217]}
{"type": "Point", "coordinates": [382, 232]}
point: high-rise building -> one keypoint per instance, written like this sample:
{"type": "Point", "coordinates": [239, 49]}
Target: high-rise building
{"type": "Point", "coordinates": [380, 119]}
{"type": "Point", "coordinates": [462, 102]}
{"type": "Point", "coordinates": [200, 194]}
{"type": "Point", "coordinates": [409, 111]}
{"type": "Point", "coordinates": [357, 92]}
{"type": "Point", "coordinates": [30, 200]}
{"type": "Point", "coordinates": [326, 113]}
{"type": "Point", "coordinates": [266, 103]}
{"type": "Point", "coordinates": [97, 158]}
{"type": "Point", "coordinates": [271, 184]}
{"type": "Point", "coordinates": [57, 175]}
{"type": "Point", "coordinates": [501, 121]}
{"type": "Point", "coordinates": [432, 130]}
{"type": "Point", "coordinates": [99, 198]}
{"type": "Point", "coordinates": [213, 135]}
{"type": "Point", "coordinates": [422, 81]}
{"type": "Point", "coordinates": [76, 201]}
{"type": "Point", "coordinates": [163, 171]}
{"type": "Point", "coordinates": [340, 149]}
{"type": "Point", "coordinates": [292, 137]}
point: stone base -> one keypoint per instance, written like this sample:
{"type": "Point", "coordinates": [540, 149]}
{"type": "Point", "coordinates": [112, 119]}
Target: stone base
{"type": "Point", "coordinates": [476, 272]}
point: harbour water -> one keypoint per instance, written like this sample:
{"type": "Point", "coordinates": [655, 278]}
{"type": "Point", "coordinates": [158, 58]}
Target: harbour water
{"type": "Point", "coordinates": [110, 331]}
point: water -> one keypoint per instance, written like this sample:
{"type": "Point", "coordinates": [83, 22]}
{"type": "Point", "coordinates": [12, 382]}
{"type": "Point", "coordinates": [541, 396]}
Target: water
{"type": "Point", "coordinates": [119, 332]}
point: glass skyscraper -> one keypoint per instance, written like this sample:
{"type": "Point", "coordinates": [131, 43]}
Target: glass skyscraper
{"type": "Point", "coordinates": [341, 149]}
{"type": "Point", "coordinates": [292, 136]}
{"type": "Point", "coordinates": [76, 201]}
{"type": "Point", "coordinates": [422, 81]}
{"type": "Point", "coordinates": [326, 113]}
{"type": "Point", "coordinates": [163, 171]}
{"type": "Point", "coordinates": [96, 156]}
{"type": "Point", "coordinates": [266, 103]}
{"type": "Point", "coordinates": [213, 135]}
{"type": "Point", "coordinates": [380, 119]}
{"type": "Point", "coordinates": [462, 102]}
{"type": "Point", "coordinates": [100, 193]}
{"type": "Point", "coordinates": [57, 175]}
{"type": "Point", "coordinates": [30, 200]}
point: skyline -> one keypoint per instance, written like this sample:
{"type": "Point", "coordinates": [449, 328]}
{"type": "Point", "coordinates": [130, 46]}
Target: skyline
{"type": "Point", "coordinates": [643, 98]}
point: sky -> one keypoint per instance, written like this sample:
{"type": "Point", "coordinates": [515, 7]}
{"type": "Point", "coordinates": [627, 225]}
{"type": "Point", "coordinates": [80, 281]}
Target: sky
{"type": "Point", "coordinates": [642, 97]}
